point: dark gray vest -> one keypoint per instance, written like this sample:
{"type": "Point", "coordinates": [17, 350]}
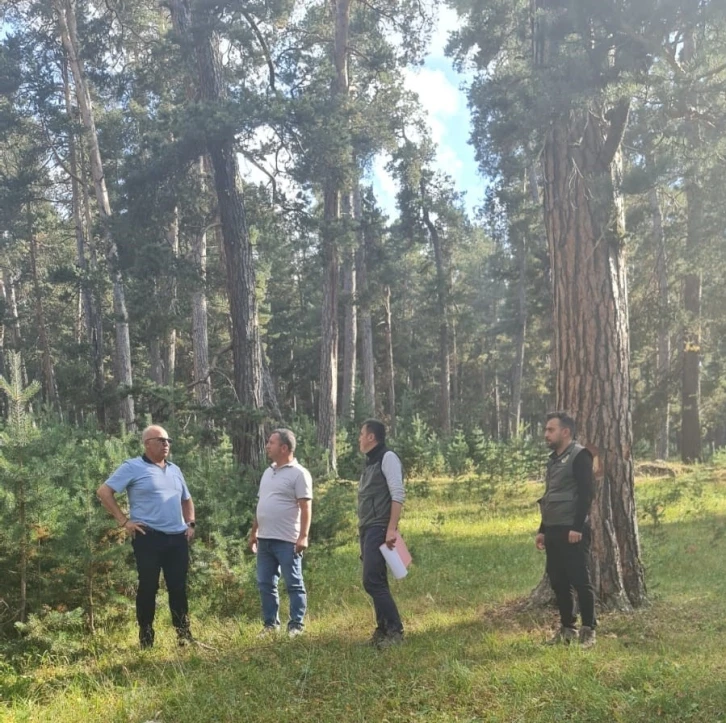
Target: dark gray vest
{"type": "Point", "coordinates": [374, 498]}
{"type": "Point", "coordinates": [559, 502]}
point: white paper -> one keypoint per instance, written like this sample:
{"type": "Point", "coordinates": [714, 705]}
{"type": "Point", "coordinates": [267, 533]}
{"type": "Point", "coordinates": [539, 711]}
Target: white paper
{"type": "Point", "coordinates": [395, 564]}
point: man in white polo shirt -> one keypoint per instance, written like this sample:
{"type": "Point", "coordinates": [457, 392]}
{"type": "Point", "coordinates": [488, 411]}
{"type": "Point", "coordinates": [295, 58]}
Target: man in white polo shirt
{"type": "Point", "coordinates": [280, 531]}
{"type": "Point", "coordinates": [161, 525]}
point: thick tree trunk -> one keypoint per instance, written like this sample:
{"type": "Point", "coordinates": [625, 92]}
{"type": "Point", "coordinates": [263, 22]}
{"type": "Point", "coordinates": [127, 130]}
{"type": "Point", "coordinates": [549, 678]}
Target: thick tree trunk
{"type": "Point", "coordinates": [663, 351]}
{"type": "Point", "coordinates": [390, 368]}
{"type": "Point", "coordinates": [364, 312]}
{"type": "Point", "coordinates": [50, 388]}
{"type": "Point", "coordinates": [332, 198]}
{"type": "Point", "coordinates": [584, 217]}
{"type": "Point", "coordinates": [442, 296]}
{"type": "Point", "coordinates": [248, 436]}
{"type": "Point", "coordinates": [691, 380]}
{"type": "Point", "coordinates": [350, 336]}
{"type": "Point", "coordinates": [67, 23]}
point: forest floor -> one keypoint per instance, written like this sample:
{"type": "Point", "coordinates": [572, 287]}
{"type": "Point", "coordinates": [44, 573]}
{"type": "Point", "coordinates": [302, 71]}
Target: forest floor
{"type": "Point", "coordinates": [471, 653]}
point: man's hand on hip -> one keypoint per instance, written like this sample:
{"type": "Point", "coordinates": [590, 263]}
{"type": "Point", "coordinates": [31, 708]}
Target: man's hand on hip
{"type": "Point", "coordinates": [574, 537]}
{"type": "Point", "coordinates": [539, 541]}
{"type": "Point", "coordinates": [302, 544]}
{"type": "Point", "coordinates": [131, 528]}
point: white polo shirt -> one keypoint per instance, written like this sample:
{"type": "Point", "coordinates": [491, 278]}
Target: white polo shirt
{"type": "Point", "coordinates": [278, 514]}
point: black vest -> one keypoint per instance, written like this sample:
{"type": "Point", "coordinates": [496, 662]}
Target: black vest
{"type": "Point", "coordinates": [559, 502]}
{"type": "Point", "coordinates": [374, 497]}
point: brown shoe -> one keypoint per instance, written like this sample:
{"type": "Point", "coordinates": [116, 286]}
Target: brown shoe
{"type": "Point", "coordinates": [564, 636]}
{"type": "Point", "coordinates": [587, 637]}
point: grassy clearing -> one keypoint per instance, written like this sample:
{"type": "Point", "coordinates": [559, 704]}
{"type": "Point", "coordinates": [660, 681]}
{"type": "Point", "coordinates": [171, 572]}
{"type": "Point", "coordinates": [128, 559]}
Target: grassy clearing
{"type": "Point", "coordinates": [469, 654]}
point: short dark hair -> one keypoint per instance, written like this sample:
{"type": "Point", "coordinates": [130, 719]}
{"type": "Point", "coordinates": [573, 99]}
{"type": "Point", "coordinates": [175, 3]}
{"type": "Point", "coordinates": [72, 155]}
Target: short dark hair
{"type": "Point", "coordinates": [377, 429]}
{"type": "Point", "coordinates": [287, 437]}
{"type": "Point", "coordinates": [565, 420]}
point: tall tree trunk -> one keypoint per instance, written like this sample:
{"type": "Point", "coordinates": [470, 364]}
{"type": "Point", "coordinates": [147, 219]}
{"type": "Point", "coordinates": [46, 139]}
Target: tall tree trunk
{"type": "Point", "coordinates": [350, 336]}
{"type": "Point", "coordinates": [67, 23]}
{"type": "Point", "coordinates": [663, 351]}
{"type": "Point", "coordinates": [332, 199]}
{"type": "Point", "coordinates": [89, 308]}
{"type": "Point", "coordinates": [585, 222]}
{"type": "Point", "coordinates": [95, 331]}
{"type": "Point", "coordinates": [497, 411]}
{"type": "Point", "coordinates": [248, 437]}
{"type": "Point", "coordinates": [200, 336]}
{"type": "Point", "coordinates": [691, 381]}
{"type": "Point", "coordinates": [170, 341]}
{"type": "Point", "coordinates": [50, 388]}
{"type": "Point", "coordinates": [442, 295]}
{"type": "Point", "coordinates": [156, 365]}
{"type": "Point", "coordinates": [390, 368]}
{"type": "Point", "coordinates": [364, 311]}
{"type": "Point", "coordinates": [519, 342]}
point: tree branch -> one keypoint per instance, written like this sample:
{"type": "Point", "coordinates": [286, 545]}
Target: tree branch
{"type": "Point", "coordinates": [260, 38]}
{"type": "Point", "coordinates": [618, 117]}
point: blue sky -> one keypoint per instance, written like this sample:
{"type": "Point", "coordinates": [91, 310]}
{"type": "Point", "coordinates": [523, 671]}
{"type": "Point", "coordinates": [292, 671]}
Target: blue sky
{"type": "Point", "coordinates": [438, 86]}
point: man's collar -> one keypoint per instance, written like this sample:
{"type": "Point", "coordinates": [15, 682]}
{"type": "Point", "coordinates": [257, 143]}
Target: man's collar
{"type": "Point", "coordinates": [291, 463]}
{"type": "Point", "coordinates": [557, 455]}
{"type": "Point", "coordinates": [148, 461]}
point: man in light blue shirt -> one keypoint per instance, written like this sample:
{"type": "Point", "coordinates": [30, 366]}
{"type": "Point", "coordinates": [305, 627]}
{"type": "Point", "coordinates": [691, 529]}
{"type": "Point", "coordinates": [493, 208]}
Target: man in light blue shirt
{"type": "Point", "coordinates": [161, 525]}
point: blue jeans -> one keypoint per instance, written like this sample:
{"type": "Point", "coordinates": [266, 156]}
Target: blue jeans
{"type": "Point", "coordinates": [274, 556]}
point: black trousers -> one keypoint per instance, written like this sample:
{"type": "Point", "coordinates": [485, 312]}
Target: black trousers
{"type": "Point", "coordinates": [154, 552]}
{"type": "Point", "coordinates": [568, 571]}
{"type": "Point", "coordinates": [375, 580]}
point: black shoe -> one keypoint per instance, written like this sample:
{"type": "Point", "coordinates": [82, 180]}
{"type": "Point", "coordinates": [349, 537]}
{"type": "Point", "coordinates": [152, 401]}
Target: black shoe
{"type": "Point", "coordinates": [184, 637]}
{"type": "Point", "coordinates": [146, 637]}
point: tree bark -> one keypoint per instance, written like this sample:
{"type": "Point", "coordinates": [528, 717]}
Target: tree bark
{"type": "Point", "coordinates": [663, 351]}
{"type": "Point", "coordinates": [92, 323]}
{"type": "Point", "coordinates": [248, 436]}
{"type": "Point", "coordinates": [584, 218]}
{"type": "Point", "coordinates": [350, 337]}
{"type": "Point", "coordinates": [442, 296]}
{"type": "Point", "coordinates": [170, 345]}
{"type": "Point", "coordinates": [67, 24]}
{"type": "Point", "coordinates": [390, 368]}
{"type": "Point", "coordinates": [519, 342]}
{"type": "Point", "coordinates": [691, 450]}
{"type": "Point", "coordinates": [50, 388]}
{"type": "Point", "coordinates": [200, 334]}
{"type": "Point", "coordinates": [364, 312]}
{"type": "Point", "coordinates": [332, 198]}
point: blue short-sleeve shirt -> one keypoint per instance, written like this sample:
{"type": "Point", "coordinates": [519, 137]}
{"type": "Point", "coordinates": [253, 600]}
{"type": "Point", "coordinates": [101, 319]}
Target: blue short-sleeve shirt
{"type": "Point", "coordinates": [155, 493]}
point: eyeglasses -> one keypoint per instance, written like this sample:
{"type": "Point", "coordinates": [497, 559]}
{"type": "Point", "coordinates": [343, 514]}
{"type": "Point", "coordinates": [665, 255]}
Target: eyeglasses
{"type": "Point", "coordinates": [163, 440]}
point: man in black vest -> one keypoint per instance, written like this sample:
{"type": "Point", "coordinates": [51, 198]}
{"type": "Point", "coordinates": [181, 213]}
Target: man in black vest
{"type": "Point", "coordinates": [380, 501]}
{"type": "Point", "coordinates": [564, 532]}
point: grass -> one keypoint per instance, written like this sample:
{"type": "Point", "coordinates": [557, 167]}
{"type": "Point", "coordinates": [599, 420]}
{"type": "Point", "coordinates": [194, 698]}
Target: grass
{"type": "Point", "coordinates": [471, 653]}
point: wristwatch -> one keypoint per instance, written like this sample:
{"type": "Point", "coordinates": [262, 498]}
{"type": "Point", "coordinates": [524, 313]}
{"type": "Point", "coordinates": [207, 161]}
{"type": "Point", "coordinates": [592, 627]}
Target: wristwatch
{"type": "Point", "coordinates": [192, 524]}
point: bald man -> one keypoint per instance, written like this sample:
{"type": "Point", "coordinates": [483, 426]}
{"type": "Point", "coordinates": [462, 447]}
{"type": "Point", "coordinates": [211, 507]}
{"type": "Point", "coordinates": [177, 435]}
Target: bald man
{"type": "Point", "coordinates": [161, 525]}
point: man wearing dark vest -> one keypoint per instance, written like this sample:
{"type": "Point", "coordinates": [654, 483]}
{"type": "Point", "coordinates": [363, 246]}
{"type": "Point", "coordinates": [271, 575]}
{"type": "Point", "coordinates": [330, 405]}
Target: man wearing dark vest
{"type": "Point", "coordinates": [380, 501]}
{"type": "Point", "coordinates": [564, 533]}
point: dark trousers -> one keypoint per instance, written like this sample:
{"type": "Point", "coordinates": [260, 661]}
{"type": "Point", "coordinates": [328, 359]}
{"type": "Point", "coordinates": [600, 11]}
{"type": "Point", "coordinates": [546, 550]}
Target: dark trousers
{"type": "Point", "coordinates": [568, 570]}
{"type": "Point", "coordinates": [154, 552]}
{"type": "Point", "coordinates": [375, 580]}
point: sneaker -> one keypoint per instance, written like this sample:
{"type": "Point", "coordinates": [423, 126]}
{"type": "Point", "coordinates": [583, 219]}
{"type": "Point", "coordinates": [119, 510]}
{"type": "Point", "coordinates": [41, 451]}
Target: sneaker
{"type": "Point", "coordinates": [267, 631]}
{"type": "Point", "coordinates": [146, 637]}
{"type": "Point", "coordinates": [294, 630]}
{"type": "Point", "coordinates": [389, 640]}
{"type": "Point", "coordinates": [564, 636]}
{"type": "Point", "coordinates": [587, 637]}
